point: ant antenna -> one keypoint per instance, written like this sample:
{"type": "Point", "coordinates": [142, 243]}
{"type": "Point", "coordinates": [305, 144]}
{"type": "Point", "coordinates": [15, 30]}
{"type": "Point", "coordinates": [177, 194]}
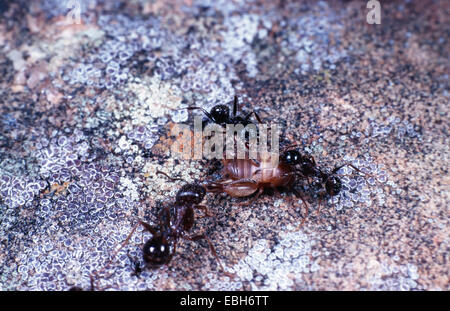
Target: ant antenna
{"type": "Point", "coordinates": [208, 115]}
{"type": "Point", "coordinates": [290, 146]}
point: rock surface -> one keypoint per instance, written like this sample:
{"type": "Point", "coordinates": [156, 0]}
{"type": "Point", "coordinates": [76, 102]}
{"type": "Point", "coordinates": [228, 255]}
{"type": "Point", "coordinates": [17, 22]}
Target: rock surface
{"type": "Point", "coordinates": [90, 92]}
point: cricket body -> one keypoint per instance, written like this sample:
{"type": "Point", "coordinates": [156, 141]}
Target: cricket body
{"type": "Point", "coordinates": [244, 177]}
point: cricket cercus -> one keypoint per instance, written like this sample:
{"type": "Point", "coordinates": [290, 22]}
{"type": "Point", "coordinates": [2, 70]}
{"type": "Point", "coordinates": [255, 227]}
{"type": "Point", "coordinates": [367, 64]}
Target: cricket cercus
{"type": "Point", "coordinates": [197, 301]}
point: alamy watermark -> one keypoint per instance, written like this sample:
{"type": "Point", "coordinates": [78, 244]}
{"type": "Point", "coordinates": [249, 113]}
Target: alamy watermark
{"type": "Point", "coordinates": [374, 15]}
{"type": "Point", "coordinates": [234, 141]}
{"type": "Point", "coordinates": [74, 15]}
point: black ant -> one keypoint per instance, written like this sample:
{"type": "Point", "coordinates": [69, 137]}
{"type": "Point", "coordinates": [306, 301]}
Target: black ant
{"type": "Point", "coordinates": [330, 183]}
{"type": "Point", "coordinates": [220, 114]}
{"type": "Point", "coordinates": [174, 224]}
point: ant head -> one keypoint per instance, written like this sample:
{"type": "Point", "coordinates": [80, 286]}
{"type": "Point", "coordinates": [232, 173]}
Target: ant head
{"type": "Point", "coordinates": [291, 157]}
{"type": "Point", "coordinates": [156, 252]}
{"type": "Point", "coordinates": [307, 163]}
{"type": "Point", "coordinates": [191, 194]}
{"type": "Point", "coordinates": [333, 185]}
{"type": "Point", "coordinates": [220, 113]}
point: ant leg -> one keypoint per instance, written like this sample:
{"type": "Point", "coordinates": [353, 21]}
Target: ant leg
{"type": "Point", "coordinates": [248, 116]}
{"type": "Point", "coordinates": [298, 195]}
{"type": "Point", "coordinates": [235, 105]}
{"type": "Point", "coordinates": [321, 198]}
{"type": "Point", "coordinates": [279, 196]}
{"type": "Point", "coordinates": [320, 203]}
{"type": "Point", "coordinates": [278, 193]}
{"type": "Point", "coordinates": [91, 278]}
{"type": "Point", "coordinates": [339, 201]}
{"type": "Point", "coordinates": [116, 251]}
{"type": "Point", "coordinates": [321, 194]}
{"type": "Point", "coordinates": [296, 145]}
{"type": "Point", "coordinates": [166, 213]}
{"type": "Point", "coordinates": [257, 117]}
{"type": "Point", "coordinates": [312, 160]}
{"type": "Point", "coordinates": [352, 166]}
{"type": "Point", "coordinates": [92, 286]}
{"type": "Point", "coordinates": [259, 120]}
{"type": "Point", "coordinates": [171, 178]}
{"type": "Point", "coordinates": [208, 115]}
{"type": "Point", "coordinates": [147, 227]}
{"type": "Point", "coordinates": [212, 249]}
{"type": "Point", "coordinates": [204, 209]}
{"type": "Point", "coordinates": [171, 254]}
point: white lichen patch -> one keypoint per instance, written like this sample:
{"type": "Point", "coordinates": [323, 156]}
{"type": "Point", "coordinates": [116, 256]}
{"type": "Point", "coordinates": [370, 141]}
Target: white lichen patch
{"type": "Point", "coordinates": [241, 29]}
{"type": "Point", "coordinates": [310, 38]}
{"type": "Point", "coordinates": [129, 189]}
{"type": "Point", "coordinates": [363, 187]}
{"type": "Point", "coordinates": [393, 276]}
{"type": "Point", "coordinates": [156, 99]}
{"type": "Point", "coordinates": [159, 186]}
{"type": "Point", "coordinates": [277, 267]}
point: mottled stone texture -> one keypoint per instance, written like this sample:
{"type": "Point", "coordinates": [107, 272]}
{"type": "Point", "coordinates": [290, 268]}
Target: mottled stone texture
{"type": "Point", "coordinates": [85, 115]}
